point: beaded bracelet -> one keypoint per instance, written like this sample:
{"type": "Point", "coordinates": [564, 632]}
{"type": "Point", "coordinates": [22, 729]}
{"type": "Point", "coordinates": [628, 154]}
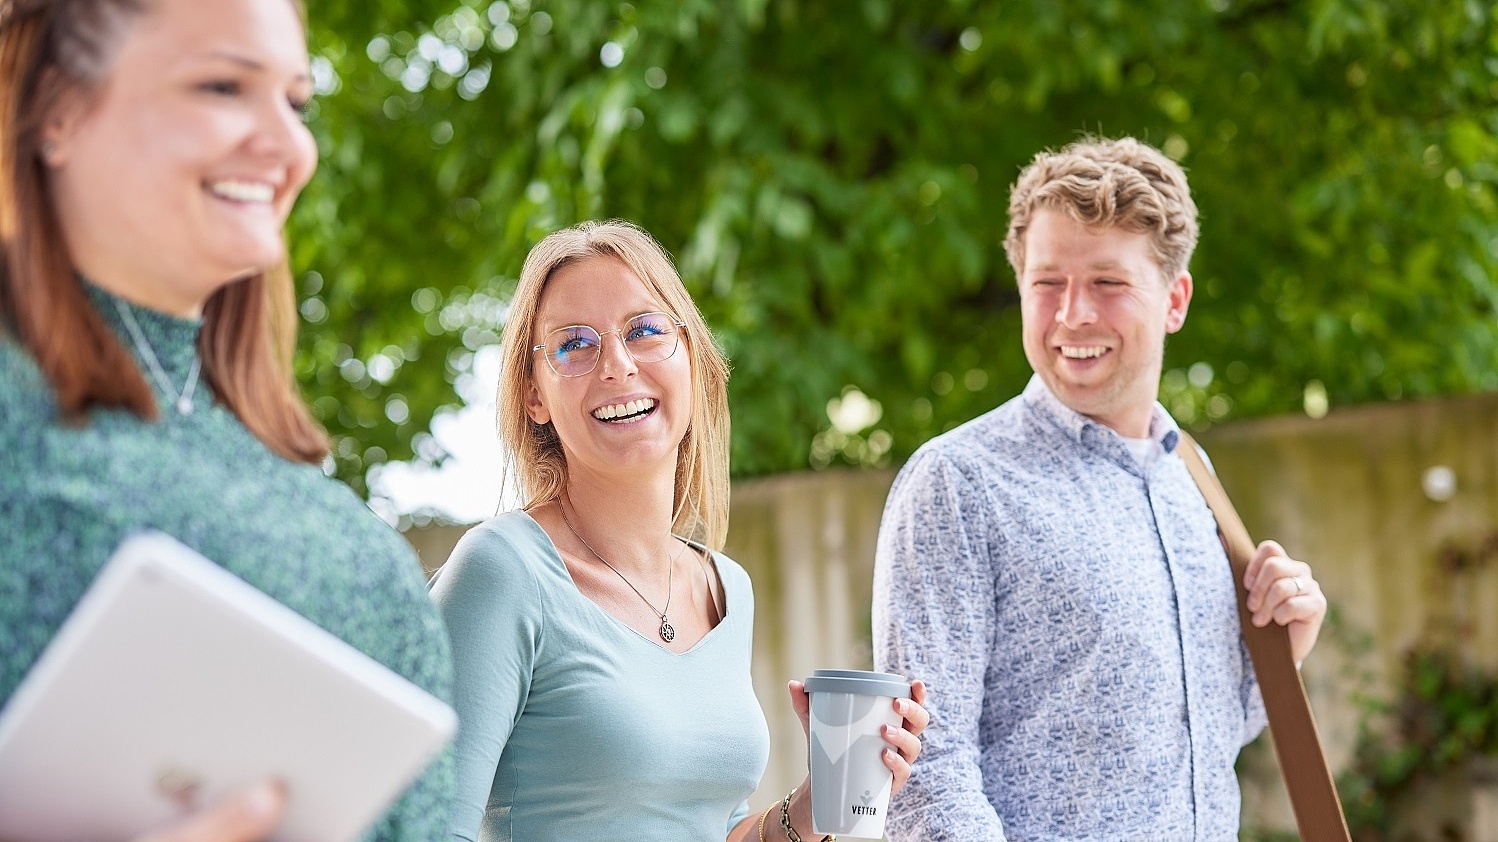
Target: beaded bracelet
{"type": "Point", "coordinates": [785, 821]}
{"type": "Point", "coordinates": [762, 817]}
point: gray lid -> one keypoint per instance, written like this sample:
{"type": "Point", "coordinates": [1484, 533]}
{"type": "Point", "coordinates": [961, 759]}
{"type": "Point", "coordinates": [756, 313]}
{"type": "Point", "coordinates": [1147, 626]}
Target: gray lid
{"type": "Point", "coordinates": [861, 682]}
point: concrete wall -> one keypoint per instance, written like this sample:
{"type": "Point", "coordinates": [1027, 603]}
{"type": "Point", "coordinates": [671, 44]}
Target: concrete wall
{"type": "Point", "coordinates": [1344, 493]}
{"type": "Point", "coordinates": [1347, 494]}
{"type": "Point", "coordinates": [807, 540]}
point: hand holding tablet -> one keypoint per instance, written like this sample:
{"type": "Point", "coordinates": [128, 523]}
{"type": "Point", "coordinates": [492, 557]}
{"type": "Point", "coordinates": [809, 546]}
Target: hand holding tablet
{"type": "Point", "coordinates": [174, 684]}
{"type": "Point", "coordinates": [248, 815]}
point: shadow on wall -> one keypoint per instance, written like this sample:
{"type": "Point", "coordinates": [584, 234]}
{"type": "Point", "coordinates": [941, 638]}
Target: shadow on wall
{"type": "Point", "coordinates": [1373, 497]}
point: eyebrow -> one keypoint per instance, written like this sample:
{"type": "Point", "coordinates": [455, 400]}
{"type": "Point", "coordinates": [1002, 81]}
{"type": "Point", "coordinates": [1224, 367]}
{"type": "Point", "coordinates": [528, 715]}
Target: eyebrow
{"type": "Point", "coordinates": [561, 325]}
{"type": "Point", "coordinates": [243, 61]}
{"type": "Point", "coordinates": [1101, 265]}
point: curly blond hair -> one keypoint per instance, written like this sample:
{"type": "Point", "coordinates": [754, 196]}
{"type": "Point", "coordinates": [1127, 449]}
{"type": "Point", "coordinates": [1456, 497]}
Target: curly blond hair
{"type": "Point", "coordinates": [1104, 183]}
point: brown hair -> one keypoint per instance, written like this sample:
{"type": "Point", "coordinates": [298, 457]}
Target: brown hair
{"type": "Point", "coordinates": [1108, 183]}
{"type": "Point", "coordinates": [51, 50]}
{"type": "Point", "coordinates": [535, 461]}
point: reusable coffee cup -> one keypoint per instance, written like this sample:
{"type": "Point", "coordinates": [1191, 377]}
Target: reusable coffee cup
{"type": "Point", "coordinates": [849, 782]}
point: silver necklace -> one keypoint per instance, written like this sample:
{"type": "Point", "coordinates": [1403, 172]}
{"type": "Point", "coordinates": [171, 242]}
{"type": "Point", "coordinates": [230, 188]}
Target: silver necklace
{"type": "Point", "coordinates": [183, 399]}
{"type": "Point", "coordinates": [667, 631]}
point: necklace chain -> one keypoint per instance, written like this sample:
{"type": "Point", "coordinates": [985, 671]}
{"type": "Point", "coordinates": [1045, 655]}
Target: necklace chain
{"type": "Point", "coordinates": [183, 399]}
{"type": "Point", "coordinates": [667, 631]}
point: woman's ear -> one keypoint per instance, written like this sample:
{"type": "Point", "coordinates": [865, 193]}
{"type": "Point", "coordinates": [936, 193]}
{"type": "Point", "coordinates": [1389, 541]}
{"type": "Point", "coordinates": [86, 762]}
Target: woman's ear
{"type": "Point", "coordinates": [61, 123]}
{"type": "Point", "coordinates": [534, 407]}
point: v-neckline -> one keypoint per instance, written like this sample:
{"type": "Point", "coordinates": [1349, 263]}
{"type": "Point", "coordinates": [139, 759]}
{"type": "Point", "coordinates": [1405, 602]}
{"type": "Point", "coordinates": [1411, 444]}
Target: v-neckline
{"type": "Point", "coordinates": [556, 555]}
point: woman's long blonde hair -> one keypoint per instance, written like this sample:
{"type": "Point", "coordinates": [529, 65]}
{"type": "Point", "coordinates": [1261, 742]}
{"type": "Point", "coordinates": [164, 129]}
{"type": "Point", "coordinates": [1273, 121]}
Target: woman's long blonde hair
{"type": "Point", "coordinates": [536, 465]}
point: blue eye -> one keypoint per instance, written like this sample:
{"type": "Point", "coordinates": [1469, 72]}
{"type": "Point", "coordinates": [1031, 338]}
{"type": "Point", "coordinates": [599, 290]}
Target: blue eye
{"type": "Point", "coordinates": [575, 342]}
{"type": "Point", "coordinates": [644, 332]}
{"type": "Point", "coordinates": [648, 326]}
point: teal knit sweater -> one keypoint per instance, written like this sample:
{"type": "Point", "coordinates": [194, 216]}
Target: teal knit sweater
{"type": "Point", "coordinates": [70, 493]}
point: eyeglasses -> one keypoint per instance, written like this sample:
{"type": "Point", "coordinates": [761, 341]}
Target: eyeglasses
{"type": "Point", "coordinates": [574, 350]}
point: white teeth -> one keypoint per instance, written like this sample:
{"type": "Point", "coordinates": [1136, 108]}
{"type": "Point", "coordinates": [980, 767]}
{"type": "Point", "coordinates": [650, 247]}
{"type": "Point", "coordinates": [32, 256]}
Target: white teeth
{"type": "Point", "coordinates": [1082, 352]}
{"type": "Point", "coordinates": [619, 410]}
{"type": "Point", "coordinates": [244, 191]}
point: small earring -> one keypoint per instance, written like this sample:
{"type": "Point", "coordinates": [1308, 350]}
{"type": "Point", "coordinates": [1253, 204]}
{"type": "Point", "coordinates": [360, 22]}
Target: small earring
{"type": "Point", "coordinates": [49, 148]}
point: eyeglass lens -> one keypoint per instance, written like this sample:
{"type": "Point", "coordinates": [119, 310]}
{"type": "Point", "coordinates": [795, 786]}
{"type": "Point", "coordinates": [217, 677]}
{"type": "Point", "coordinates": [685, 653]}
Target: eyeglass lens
{"type": "Point", "coordinates": [574, 350]}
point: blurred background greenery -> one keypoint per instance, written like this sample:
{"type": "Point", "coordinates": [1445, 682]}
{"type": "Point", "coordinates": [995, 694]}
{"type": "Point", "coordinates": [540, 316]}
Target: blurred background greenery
{"type": "Point", "coordinates": [832, 179]}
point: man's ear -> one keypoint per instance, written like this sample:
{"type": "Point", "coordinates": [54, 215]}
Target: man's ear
{"type": "Point", "coordinates": [534, 406]}
{"type": "Point", "coordinates": [1178, 300]}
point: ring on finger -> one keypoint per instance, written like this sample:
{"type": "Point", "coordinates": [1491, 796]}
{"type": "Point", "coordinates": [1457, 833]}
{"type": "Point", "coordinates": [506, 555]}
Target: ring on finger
{"type": "Point", "coordinates": [1299, 588]}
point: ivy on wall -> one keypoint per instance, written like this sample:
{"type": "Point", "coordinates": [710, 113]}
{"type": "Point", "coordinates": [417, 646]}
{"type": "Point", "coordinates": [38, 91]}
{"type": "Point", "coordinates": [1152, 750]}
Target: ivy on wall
{"type": "Point", "coordinates": [1439, 725]}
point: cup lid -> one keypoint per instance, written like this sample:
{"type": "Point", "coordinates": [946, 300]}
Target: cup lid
{"type": "Point", "coordinates": [861, 682]}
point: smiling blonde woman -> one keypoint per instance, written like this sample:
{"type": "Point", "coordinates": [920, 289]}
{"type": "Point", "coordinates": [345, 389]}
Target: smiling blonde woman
{"type": "Point", "coordinates": [601, 638]}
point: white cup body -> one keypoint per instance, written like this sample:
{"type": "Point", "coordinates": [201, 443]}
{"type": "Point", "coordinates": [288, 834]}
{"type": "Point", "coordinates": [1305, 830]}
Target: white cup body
{"type": "Point", "coordinates": [850, 785]}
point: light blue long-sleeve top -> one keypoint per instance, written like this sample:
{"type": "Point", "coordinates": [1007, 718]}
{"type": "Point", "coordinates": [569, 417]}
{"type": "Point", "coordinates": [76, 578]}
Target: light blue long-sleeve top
{"type": "Point", "coordinates": [572, 725]}
{"type": "Point", "coordinates": [1075, 616]}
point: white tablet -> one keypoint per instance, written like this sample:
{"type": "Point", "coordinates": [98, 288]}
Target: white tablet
{"type": "Point", "coordinates": [174, 683]}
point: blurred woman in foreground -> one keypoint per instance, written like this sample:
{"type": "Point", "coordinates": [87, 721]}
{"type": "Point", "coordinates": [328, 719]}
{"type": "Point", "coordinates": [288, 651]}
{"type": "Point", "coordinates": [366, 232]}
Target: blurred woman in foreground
{"type": "Point", "coordinates": [150, 151]}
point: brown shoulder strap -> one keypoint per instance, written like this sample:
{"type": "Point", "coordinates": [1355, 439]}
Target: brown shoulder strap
{"type": "Point", "coordinates": [1313, 795]}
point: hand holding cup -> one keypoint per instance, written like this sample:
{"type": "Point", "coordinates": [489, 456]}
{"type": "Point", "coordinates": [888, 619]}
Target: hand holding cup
{"type": "Point", "coordinates": [853, 717]}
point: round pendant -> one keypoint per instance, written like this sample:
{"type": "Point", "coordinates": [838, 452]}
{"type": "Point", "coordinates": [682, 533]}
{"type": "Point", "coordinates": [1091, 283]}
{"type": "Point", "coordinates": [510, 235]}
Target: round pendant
{"type": "Point", "coordinates": [184, 405]}
{"type": "Point", "coordinates": [668, 631]}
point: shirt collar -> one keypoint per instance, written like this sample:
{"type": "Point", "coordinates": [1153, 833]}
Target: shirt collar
{"type": "Point", "coordinates": [1039, 398]}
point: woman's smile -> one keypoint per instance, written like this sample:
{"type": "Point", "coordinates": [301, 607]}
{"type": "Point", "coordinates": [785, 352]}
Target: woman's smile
{"type": "Point", "coordinates": [626, 413]}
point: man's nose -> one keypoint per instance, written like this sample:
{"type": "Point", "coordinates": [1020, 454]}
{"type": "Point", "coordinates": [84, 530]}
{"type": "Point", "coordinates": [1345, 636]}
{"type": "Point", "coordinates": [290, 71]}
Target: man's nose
{"type": "Point", "coordinates": [1078, 307]}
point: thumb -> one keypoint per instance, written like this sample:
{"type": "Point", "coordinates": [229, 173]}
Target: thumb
{"type": "Point", "coordinates": [246, 816]}
{"type": "Point", "coordinates": [800, 704]}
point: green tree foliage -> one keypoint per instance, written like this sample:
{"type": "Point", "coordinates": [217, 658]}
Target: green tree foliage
{"type": "Point", "coordinates": [833, 177]}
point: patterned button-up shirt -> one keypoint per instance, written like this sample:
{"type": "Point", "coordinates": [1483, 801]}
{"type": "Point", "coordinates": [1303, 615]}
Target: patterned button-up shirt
{"type": "Point", "coordinates": [1074, 615]}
